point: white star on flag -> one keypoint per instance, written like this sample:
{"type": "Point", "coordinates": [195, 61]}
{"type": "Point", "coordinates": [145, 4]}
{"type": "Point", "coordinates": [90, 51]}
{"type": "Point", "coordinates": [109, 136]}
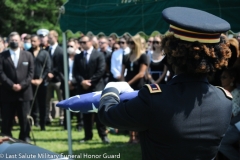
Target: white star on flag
{"type": "Point", "coordinates": [97, 93]}
{"type": "Point", "coordinates": [94, 109]}
{"type": "Point", "coordinates": [73, 111]}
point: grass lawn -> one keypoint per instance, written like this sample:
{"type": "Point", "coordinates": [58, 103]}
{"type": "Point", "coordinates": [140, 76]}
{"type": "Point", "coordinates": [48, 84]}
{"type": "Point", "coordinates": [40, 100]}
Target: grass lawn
{"type": "Point", "coordinates": [55, 140]}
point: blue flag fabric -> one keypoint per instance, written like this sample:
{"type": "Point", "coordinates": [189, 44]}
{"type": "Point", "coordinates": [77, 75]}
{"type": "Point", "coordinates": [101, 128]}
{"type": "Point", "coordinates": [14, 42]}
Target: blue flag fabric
{"type": "Point", "coordinates": [87, 103]}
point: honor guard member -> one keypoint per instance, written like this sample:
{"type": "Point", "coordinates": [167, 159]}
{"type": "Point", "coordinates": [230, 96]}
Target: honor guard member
{"type": "Point", "coordinates": [186, 118]}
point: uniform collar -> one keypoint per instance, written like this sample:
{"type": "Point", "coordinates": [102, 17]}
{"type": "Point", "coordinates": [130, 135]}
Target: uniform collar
{"type": "Point", "coordinates": [184, 78]}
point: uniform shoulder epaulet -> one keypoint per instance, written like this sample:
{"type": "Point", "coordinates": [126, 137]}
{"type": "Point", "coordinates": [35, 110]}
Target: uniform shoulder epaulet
{"type": "Point", "coordinates": [153, 88]}
{"type": "Point", "coordinates": [227, 93]}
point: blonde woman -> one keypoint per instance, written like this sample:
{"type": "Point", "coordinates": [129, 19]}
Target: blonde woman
{"type": "Point", "coordinates": [136, 64]}
{"type": "Point", "coordinates": [157, 69]}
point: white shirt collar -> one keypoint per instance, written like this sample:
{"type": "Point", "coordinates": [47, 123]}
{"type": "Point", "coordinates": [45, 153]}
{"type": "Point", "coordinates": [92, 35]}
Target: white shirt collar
{"type": "Point", "coordinates": [54, 46]}
{"type": "Point", "coordinates": [126, 50]}
{"type": "Point", "coordinates": [89, 51]}
{"type": "Point", "coordinates": [13, 52]}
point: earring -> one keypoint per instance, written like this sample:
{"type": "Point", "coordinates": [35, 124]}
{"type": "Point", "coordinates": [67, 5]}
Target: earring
{"type": "Point", "coordinates": [231, 84]}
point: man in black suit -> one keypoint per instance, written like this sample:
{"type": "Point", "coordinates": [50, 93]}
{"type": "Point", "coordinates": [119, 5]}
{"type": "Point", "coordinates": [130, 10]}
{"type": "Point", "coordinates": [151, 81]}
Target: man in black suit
{"type": "Point", "coordinates": [88, 70]}
{"type": "Point", "coordinates": [55, 76]}
{"type": "Point", "coordinates": [16, 73]}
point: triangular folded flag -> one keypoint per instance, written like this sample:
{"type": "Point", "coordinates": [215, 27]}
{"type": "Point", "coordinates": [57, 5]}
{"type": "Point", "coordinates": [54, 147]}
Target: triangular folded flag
{"type": "Point", "coordinates": [89, 102]}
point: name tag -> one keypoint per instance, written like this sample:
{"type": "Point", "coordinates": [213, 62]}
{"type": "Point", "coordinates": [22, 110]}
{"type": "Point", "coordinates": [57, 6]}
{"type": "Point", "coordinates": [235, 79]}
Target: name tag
{"type": "Point", "coordinates": [25, 63]}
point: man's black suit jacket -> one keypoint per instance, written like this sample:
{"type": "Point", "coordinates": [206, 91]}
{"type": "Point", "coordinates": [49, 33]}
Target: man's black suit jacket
{"type": "Point", "coordinates": [93, 71]}
{"type": "Point", "coordinates": [22, 75]}
{"type": "Point", "coordinates": [57, 65]}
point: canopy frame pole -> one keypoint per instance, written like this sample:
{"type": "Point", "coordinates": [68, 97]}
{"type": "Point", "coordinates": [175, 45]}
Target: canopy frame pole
{"type": "Point", "coordinates": [65, 65]}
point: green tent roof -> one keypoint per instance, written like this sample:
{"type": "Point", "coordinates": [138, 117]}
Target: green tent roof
{"type": "Point", "coordinates": [133, 16]}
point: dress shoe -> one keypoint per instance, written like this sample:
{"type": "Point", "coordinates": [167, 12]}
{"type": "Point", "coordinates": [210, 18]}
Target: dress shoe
{"type": "Point", "coordinates": [48, 123]}
{"type": "Point", "coordinates": [61, 123]}
{"type": "Point", "coordinates": [43, 128]}
{"type": "Point", "coordinates": [105, 139]}
{"type": "Point", "coordinates": [36, 125]}
{"type": "Point", "coordinates": [85, 140]}
{"type": "Point", "coordinates": [79, 128]}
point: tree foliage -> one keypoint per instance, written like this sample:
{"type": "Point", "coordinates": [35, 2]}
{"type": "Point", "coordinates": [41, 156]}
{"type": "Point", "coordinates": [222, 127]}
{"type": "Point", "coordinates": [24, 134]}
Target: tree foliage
{"type": "Point", "coordinates": [27, 16]}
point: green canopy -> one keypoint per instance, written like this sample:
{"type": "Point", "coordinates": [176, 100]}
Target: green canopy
{"type": "Point", "coordinates": [133, 16]}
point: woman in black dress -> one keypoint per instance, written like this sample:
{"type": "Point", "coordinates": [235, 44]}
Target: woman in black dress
{"type": "Point", "coordinates": [136, 63]}
{"type": "Point", "coordinates": [157, 69]}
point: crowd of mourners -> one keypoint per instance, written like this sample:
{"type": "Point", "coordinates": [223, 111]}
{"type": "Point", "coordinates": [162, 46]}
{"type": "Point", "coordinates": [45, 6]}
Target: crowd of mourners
{"type": "Point", "coordinates": [31, 71]}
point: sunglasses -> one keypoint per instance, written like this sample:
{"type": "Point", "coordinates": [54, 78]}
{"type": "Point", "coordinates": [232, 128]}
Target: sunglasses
{"type": "Point", "coordinates": [115, 48]}
{"type": "Point", "coordinates": [121, 42]}
{"type": "Point", "coordinates": [223, 77]}
{"type": "Point", "coordinates": [83, 42]}
{"type": "Point", "coordinates": [102, 42]}
{"type": "Point", "coordinates": [150, 41]}
{"type": "Point", "coordinates": [131, 43]}
{"type": "Point", "coordinates": [69, 46]}
{"type": "Point", "coordinates": [156, 42]}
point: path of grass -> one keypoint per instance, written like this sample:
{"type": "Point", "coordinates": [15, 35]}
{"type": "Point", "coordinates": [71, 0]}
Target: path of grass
{"type": "Point", "coordinates": [55, 140]}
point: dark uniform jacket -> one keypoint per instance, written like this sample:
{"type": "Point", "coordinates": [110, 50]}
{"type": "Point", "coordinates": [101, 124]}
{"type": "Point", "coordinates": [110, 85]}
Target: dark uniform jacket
{"type": "Point", "coordinates": [22, 75]}
{"type": "Point", "coordinates": [184, 119]}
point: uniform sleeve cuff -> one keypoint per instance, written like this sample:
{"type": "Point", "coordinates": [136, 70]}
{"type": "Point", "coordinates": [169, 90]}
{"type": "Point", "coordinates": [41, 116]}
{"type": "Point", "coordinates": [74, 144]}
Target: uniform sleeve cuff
{"type": "Point", "coordinates": [110, 91]}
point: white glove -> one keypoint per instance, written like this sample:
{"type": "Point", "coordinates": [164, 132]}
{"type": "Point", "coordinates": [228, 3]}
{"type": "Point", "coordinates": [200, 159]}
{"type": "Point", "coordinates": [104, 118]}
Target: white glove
{"type": "Point", "coordinates": [120, 86]}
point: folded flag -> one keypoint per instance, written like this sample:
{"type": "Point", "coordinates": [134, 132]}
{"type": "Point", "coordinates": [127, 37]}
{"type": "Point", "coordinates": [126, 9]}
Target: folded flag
{"type": "Point", "coordinates": [87, 103]}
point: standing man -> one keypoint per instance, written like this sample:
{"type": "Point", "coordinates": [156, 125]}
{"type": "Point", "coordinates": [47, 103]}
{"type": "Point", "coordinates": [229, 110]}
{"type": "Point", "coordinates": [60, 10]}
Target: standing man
{"type": "Point", "coordinates": [111, 41]}
{"type": "Point", "coordinates": [103, 44]}
{"type": "Point", "coordinates": [72, 47]}
{"type": "Point", "coordinates": [55, 76]}
{"type": "Point", "coordinates": [117, 58]}
{"type": "Point", "coordinates": [42, 67]}
{"type": "Point", "coordinates": [88, 70]}
{"type": "Point", "coordinates": [16, 73]}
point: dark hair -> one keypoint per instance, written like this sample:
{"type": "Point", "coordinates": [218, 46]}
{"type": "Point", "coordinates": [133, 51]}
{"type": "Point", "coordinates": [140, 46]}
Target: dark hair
{"type": "Point", "coordinates": [13, 34]}
{"type": "Point", "coordinates": [89, 37]}
{"type": "Point", "coordinates": [27, 37]}
{"type": "Point", "coordinates": [113, 36]}
{"type": "Point", "coordinates": [126, 37]}
{"type": "Point", "coordinates": [195, 57]}
{"type": "Point", "coordinates": [114, 45]}
{"type": "Point", "coordinates": [35, 35]}
{"type": "Point", "coordinates": [232, 72]}
{"type": "Point", "coordinates": [72, 40]}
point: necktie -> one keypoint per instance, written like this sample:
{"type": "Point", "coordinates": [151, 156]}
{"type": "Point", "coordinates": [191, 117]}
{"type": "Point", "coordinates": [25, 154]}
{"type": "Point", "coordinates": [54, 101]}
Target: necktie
{"type": "Point", "coordinates": [15, 60]}
{"type": "Point", "coordinates": [50, 51]}
{"type": "Point", "coordinates": [85, 58]}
